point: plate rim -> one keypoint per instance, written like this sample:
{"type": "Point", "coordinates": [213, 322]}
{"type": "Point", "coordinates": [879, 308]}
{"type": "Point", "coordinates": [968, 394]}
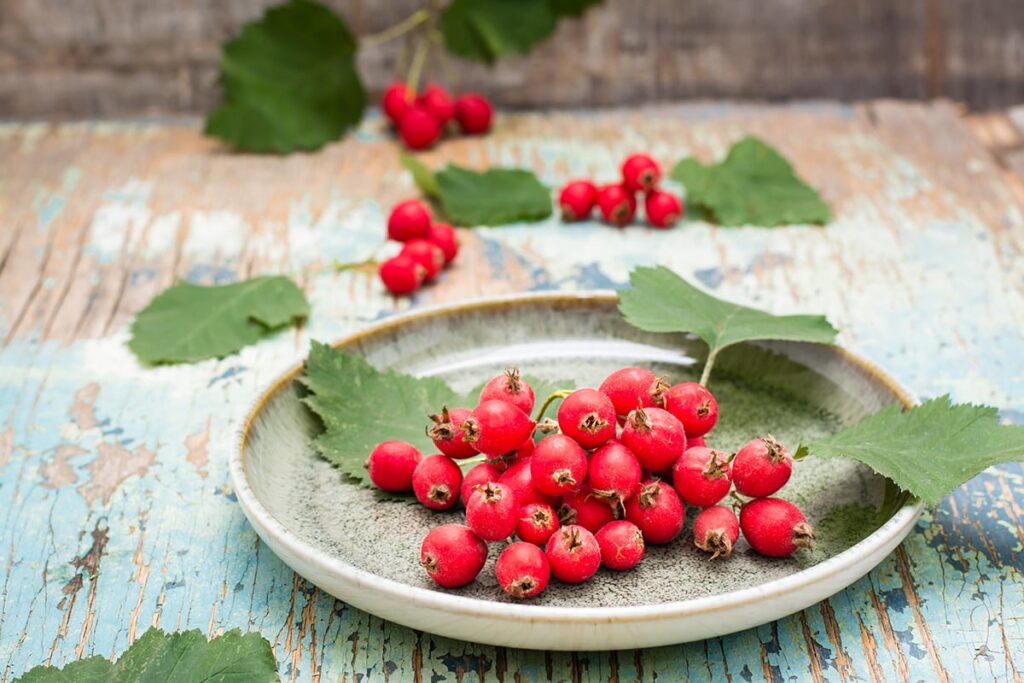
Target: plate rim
{"type": "Point", "coordinates": [896, 527]}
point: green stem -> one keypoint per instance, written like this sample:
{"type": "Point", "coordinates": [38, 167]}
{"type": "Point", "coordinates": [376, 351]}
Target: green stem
{"type": "Point", "coordinates": [419, 58]}
{"type": "Point", "coordinates": [708, 364]}
{"type": "Point", "coordinates": [561, 393]}
{"type": "Point", "coordinates": [399, 29]}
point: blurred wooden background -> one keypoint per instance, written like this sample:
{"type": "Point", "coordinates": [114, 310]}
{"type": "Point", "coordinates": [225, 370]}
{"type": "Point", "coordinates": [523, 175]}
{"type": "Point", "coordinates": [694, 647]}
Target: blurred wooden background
{"type": "Point", "coordinates": [87, 58]}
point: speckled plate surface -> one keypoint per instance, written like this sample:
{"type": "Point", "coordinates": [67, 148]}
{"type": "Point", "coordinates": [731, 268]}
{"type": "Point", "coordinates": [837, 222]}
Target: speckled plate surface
{"type": "Point", "coordinates": [365, 552]}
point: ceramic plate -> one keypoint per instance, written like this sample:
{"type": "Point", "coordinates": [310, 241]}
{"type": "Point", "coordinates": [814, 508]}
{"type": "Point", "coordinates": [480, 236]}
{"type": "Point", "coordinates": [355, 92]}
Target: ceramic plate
{"type": "Point", "coordinates": [365, 552]}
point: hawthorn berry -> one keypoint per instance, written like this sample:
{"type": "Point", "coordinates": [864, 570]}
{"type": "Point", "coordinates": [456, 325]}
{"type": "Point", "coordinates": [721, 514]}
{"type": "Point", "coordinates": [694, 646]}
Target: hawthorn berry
{"type": "Point", "coordinates": [617, 204]}
{"type": "Point", "coordinates": [446, 432]}
{"type": "Point", "coordinates": [761, 467]}
{"type": "Point", "coordinates": [495, 428]}
{"type": "Point", "coordinates": [694, 406]}
{"type": "Point", "coordinates": [418, 128]}
{"type": "Point", "coordinates": [702, 476]}
{"type": "Point", "coordinates": [391, 464]}
{"type": "Point", "coordinates": [397, 98]}
{"type": "Point", "coordinates": [519, 477]}
{"type": "Point", "coordinates": [695, 441]}
{"type": "Point", "coordinates": [587, 416]}
{"type": "Point", "coordinates": [474, 113]}
{"type": "Point", "coordinates": [715, 531]}
{"type": "Point", "coordinates": [613, 472]}
{"type": "Point", "coordinates": [408, 220]}
{"type": "Point", "coordinates": [537, 521]}
{"type": "Point", "coordinates": [427, 254]}
{"type": "Point", "coordinates": [558, 465]}
{"type": "Point", "coordinates": [587, 509]}
{"type": "Point", "coordinates": [577, 200]}
{"type": "Point", "coordinates": [492, 511]}
{"type": "Point", "coordinates": [640, 173]}
{"type": "Point", "coordinates": [478, 475]}
{"type": "Point", "coordinates": [663, 209]}
{"type": "Point", "coordinates": [657, 510]}
{"type": "Point", "coordinates": [452, 555]}
{"type": "Point", "coordinates": [655, 436]}
{"type": "Point", "coordinates": [444, 236]}
{"type": "Point", "coordinates": [631, 387]}
{"type": "Point", "coordinates": [622, 545]}
{"type": "Point", "coordinates": [438, 103]}
{"type": "Point", "coordinates": [573, 553]}
{"type": "Point", "coordinates": [401, 275]}
{"type": "Point", "coordinates": [523, 570]}
{"type": "Point", "coordinates": [509, 386]}
{"type": "Point", "coordinates": [775, 527]}
{"type": "Point", "coordinates": [437, 482]}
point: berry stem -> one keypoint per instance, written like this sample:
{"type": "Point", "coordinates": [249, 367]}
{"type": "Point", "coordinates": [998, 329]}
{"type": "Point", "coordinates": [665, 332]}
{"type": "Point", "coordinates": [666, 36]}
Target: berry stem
{"type": "Point", "coordinates": [419, 58]}
{"type": "Point", "coordinates": [708, 364]}
{"type": "Point", "coordinates": [561, 393]}
{"type": "Point", "coordinates": [396, 30]}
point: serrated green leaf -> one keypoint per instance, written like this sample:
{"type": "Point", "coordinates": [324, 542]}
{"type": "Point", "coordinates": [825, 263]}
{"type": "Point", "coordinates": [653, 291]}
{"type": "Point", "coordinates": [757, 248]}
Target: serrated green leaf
{"type": "Point", "coordinates": [753, 185]}
{"type": "Point", "coordinates": [928, 450]}
{"type": "Point", "coordinates": [158, 657]}
{"type": "Point", "coordinates": [421, 175]}
{"type": "Point", "coordinates": [572, 8]}
{"type": "Point", "coordinates": [289, 81]}
{"type": "Point", "coordinates": [484, 30]}
{"type": "Point", "coordinates": [493, 197]}
{"type": "Point", "coordinates": [188, 323]}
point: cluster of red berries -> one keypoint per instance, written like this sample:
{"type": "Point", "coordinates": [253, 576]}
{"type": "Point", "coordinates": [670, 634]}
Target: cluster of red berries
{"type": "Point", "coordinates": [421, 118]}
{"type": "Point", "coordinates": [593, 494]}
{"type": "Point", "coordinates": [617, 201]}
{"type": "Point", "coordinates": [427, 247]}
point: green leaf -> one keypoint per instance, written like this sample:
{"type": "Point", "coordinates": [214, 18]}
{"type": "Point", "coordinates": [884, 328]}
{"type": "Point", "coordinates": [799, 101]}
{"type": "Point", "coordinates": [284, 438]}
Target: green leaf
{"type": "Point", "coordinates": [421, 175]}
{"type": "Point", "coordinates": [572, 8]}
{"type": "Point", "coordinates": [157, 657]}
{"type": "Point", "coordinates": [493, 197]}
{"type": "Point", "coordinates": [928, 450]}
{"type": "Point", "coordinates": [484, 30]}
{"type": "Point", "coordinates": [188, 323]}
{"type": "Point", "coordinates": [753, 185]}
{"type": "Point", "coordinates": [289, 81]}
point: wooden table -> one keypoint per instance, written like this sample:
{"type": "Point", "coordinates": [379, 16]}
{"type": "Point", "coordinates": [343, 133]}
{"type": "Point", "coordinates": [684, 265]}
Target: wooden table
{"type": "Point", "coordinates": [115, 511]}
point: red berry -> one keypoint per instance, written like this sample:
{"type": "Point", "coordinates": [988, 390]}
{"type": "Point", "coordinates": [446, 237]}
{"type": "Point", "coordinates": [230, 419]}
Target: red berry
{"type": "Point", "coordinates": [716, 531]}
{"type": "Point", "coordinates": [617, 204]}
{"type": "Point", "coordinates": [418, 128]}
{"type": "Point", "coordinates": [401, 275]}
{"type": "Point", "coordinates": [629, 387]}
{"type": "Point", "coordinates": [663, 209]}
{"type": "Point", "coordinates": [447, 435]}
{"type": "Point", "coordinates": [695, 441]}
{"type": "Point", "coordinates": [408, 220]}
{"type": "Point", "coordinates": [775, 527]}
{"type": "Point", "coordinates": [391, 464]}
{"type": "Point", "coordinates": [478, 475]}
{"type": "Point", "coordinates": [694, 406]}
{"type": "Point", "coordinates": [761, 468]}
{"type": "Point", "coordinates": [622, 545]}
{"type": "Point", "coordinates": [452, 555]}
{"type": "Point", "coordinates": [574, 554]}
{"type": "Point", "coordinates": [523, 570]}
{"type": "Point", "coordinates": [519, 477]}
{"type": "Point", "coordinates": [655, 436]}
{"type": "Point", "coordinates": [702, 476]}
{"type": "Point", "coordinates": [396, 100]}
{"type": "Point", "coordinates": [474, 113]}
{"type": "Point", "coordinates": [444, 236]}
{"type": "Point", "coordinates": [614, 472]}
{"type": "Point", "coordinates": [510, 387]}
{"type": "Point", "coordinates": [437, 481]}
{"type": "Point", "coordinates": [657, 510]}
{"type": "Point", "coordinates": [640, 173]}
{"type": "Point", "coordinates": [537, 521]}
{"type": "Point", "coordinates": [577, 200]}
{"type": "Point", "coordinates": [438, 103]}
{"type": "Point", "coordinates": [558, 465]}
{"type": "Point", "coordinates": [427, 254]}
{"type": "Point", "coordinates": [492, 511]}
{"type": "Point", "coordinates": [524, 451]}
{"type": "Point", "coordinates": [587, 416]}
{"type": "Point", "coordinates": [586, 509]}
{"type": "Point", "coordinates": [497, 427]}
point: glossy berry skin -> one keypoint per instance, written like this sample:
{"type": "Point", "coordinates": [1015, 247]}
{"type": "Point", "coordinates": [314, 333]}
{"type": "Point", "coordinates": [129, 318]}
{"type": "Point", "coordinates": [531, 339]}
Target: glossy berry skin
{"type": "Point", "coordinates": [478, 475]}
{"type": "Point", "coordinates": [775, 527]}
{"type": "Point", "coordinates": [438, 103]}
{"type": "Point", "coordinates": [519, 477]}
{"type": "Point", "coordinates": [617, 204]}
{"type": "Point", "coordinates": [497, 427]}
{"type": "Point", "coordinates": [702, 476]}
{"type": "Point", "coordinates": [640, 173]}
{"type": "Point", "coordinates": [586, 509]}
{"type": "Point", "coordinates": [622, 545]}
{"type": "Point", "coordinates": [523, 570]}
{"type": "Point", "coordinates": [577, 200]}
{"type": "Point", "coordinates": [695, 441]}
{"type": "Point", "coordinates": [427, 254]}
{"type": "Point", "coordinates": [446, 432]}
{"type": "Point", "coordinates": [408, 220]}
{"type": "Point", "coordinates": [558, 465]}
{"type": "Point", "coordinates": [452, 555]}
{"type": "Point", "coordinates": [657, 510]}
{"type": "Point", "coordinates": [573, 553]}
{"type": "Point", "coordinates": [613, 472]}
{"type": "Point", "coordinates": [537, 521]}
{"type": "Point", "coordinates": [761, 468]}
{"type": "Point", "coordinates": [663, 209]}
{"type": "Point", "coordinates": [694, 406]}
{"type": "Point", "coordinates": [418, 128]}
{"type": "Point", "coordinates": [401, 275]}
{"type": "Point", "coordinates": [588, 417]}
{"type": "Point", "coordinates": [396, 100]}
{"type": "Point", "coordinates": [655, 436]}
{"type": "Point", "coordinates": [716, 530]}
{"type": "Point", "coordinates": [474, 113]}
{"type": "Point", "coordinates": [492, 511]}
{"type": "Point", "coordinates": [391, 464]}
{"type": "Point", "coordinates": [629, 387]}
{"type": "Point", "coordinates": [437, 482]}
{"type": "Point", "coordinates": [445, 237]}
{"type": "Point", "coordinates": [509, 386]}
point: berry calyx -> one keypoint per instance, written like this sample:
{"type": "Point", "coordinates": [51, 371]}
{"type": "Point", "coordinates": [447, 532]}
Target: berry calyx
{"type": "Point", "coordinates": [558, 465]}
{"type": "Point", "coordinates": [702, 476]}
{"type": "Point", "coordinates": [445, 237]}
{"type": "Point", "coordinates": [519, 477]}
{"type": "Point", "coordinates": [523, 570]}
{"type": "Point", "coordinates": [574, 554]}
{"type": "Point", "coordinates": [586, 509]}
{"type": "Point", "coordinates": [478, 475]}
{"type": "Point", "coordinates": [446, 432]}
{"type": "Point", "coordinates": [418, 128]}
{"type": "Point", "coordinates": [452, 555]}
{"type": "Point", "coordinates": [391, 464]}
{"type": "Point", "coordinates": [715, 531]}
{"type": "Point", "coordinates": [761, 468]}
{"type": "Point", "coordinates": [401, 275]}
{"type": "Point", "coordinates": [408, 220]}
{"type": "Point", "coordinates": [577, 200]}
{"type": "Point", "coordinates": [631, 387]}
{"type": "Point", "coordinates": [613, 472]}
{"type": "Point", "coordinates": [509, 386]}
{"type": "Point", "coordinates": [438, 103]}
{"type": "Point", "coordinates": [657, 510]}
{"type": "Point", "coordinates": [622, 545]}
{"type": "Point", "coordinates": [775, 527]}
{"type": "Point", "coordinates": [437, 481]}
{"type": "Point", "coordinates": [663, 209]}
{"type": "Point", "coordinates": [587, 416]}
{"type": "Point", "coordinates": [427, 254]}
{"type": "Point", "coordinates": [396, 99]}
{"type": "Point", "coordinates": [655, 436]}
{"type": "Point", "coordinates": [492, 511]}
{"type": "Point", "coordinates": [694, 406]}
{"type": "Point", "coordinates": [640, 173]}
{"type": "Point", "coordinates": [617, 204]}
{"type": "Point", "coordinates": [497, 427]}
{"type": "Point", "coordinates": [537, 521]}
{"type": "Point", "coordinates": [474, 113]}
